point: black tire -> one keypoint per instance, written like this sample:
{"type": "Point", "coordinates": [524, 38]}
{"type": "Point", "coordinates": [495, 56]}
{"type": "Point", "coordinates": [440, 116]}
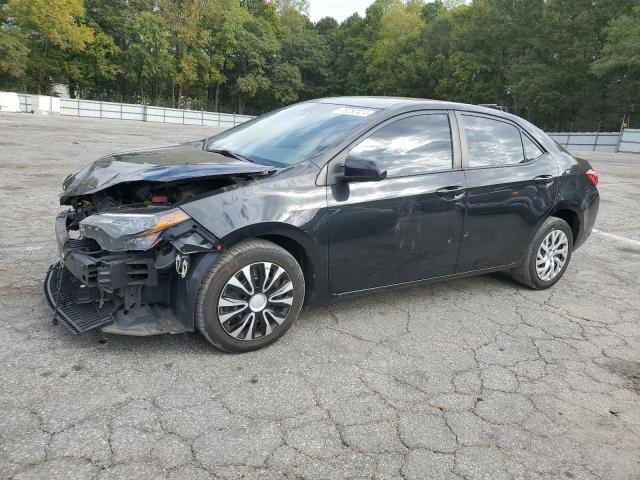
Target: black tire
{"type": "Point", "coordinates": [525, 272]}
{"type": "Point", "coordinates": [237, 257]}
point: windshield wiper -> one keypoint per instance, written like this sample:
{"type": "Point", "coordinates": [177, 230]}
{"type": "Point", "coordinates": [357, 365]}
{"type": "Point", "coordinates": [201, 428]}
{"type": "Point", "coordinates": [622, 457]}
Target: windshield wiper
{"type": "Point", "coordinates": [229, 153]}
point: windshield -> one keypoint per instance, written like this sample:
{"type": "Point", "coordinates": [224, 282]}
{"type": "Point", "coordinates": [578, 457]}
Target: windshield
{"type": "Point", "coordinates": [290, 135]}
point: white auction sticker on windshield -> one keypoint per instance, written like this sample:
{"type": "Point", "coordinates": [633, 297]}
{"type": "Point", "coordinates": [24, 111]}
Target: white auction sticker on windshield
{"type": "Point", "coordinates": [355, 112]}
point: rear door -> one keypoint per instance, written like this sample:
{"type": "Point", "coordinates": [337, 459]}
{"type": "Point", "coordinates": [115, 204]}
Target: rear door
{"type": "Point", "coordinates": [512, 185]}
{"type": "Point", "coordinates": [407, 226]}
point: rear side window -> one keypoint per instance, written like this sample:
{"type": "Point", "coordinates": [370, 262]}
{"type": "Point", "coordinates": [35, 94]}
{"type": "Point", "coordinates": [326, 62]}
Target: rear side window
{"type": "Point", "coordinates": [410, 146]}
{"type": "Point", "coordinates": [492, 142]}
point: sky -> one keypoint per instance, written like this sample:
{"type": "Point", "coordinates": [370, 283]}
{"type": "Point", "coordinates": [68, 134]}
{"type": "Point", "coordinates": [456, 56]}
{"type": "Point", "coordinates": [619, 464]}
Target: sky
{"type": "Point", "coordinates": [338, 9]}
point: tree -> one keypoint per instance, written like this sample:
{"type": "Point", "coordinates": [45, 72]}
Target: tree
{"type": "Point", "coordinates": [619, 63]}
{"type": "Point", "coordinates": [14, 53]}
{"type": "Point", "coordinates": [559, 63]}
{"type": "Point", "coordinates": [394, 63]}
{"type": "Point", "coordinates": [326, 26]}
{"type": "Point", "coordinates": [308, 51]}
{"type": "Point", "coordinates": [287, 83]}
{"type": "Point", "coordinates": [301, 6]}
{"type": "Point", "coordinates": [51, 31]}
{"type": "Point", "coordinates": [95, 66]}
{"type": "Point", "coordinates": [55, 22]}
{"type": "Point", "coordinates": [147, 59]}
{"type": "Point", "coordinates": [220, 25]}
{"type": "Point", "coordinates": [256, 45]}
{"type": "Point", "coordinates": [432, 10]}
{"type": "Point", "coordinates": [348, 46]}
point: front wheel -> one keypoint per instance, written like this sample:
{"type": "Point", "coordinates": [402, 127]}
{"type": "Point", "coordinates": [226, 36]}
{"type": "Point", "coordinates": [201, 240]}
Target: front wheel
{"type": "Point", "coordinates": [547, 255]}
{"type": "Point", "coordinates": [250, 297]}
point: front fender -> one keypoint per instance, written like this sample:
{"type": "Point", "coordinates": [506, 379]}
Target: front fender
{"type": "Point", "coordinates": [184, 291]}
{"type": "Point", "coordinates": [287, 208]}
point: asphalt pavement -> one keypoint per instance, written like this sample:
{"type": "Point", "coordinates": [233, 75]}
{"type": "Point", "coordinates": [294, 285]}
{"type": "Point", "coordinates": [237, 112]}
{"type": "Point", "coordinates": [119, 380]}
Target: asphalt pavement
{"type": "Point", "coordinates": [477, 378]}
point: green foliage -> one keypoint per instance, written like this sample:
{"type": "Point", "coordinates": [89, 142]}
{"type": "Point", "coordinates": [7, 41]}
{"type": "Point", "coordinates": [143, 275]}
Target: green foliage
{"type": "Point", "coordinates": [13, 55]}
{"type": "Point", "coordinates": [621, 52]}
{"type": "Point", "coordinates": [287, 83]}
{"type": "Point", "coordinates": [560, 63]}
{"type": "Point", "coordinates": [51, 34]}
{"type": "Point", "coordinates": [308, 51]}
{"type": "Point", "coordinates": [55, 22]}
{"type": "Point", "coordinates": [394, 62]}
{"type": "Point", "coordinates": [147, 56]}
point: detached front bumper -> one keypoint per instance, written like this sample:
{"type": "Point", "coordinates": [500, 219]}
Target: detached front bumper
{"type": "Point", "coordinates": [133, 293]}
{"type": "Point", "coordinates": [60, 288]}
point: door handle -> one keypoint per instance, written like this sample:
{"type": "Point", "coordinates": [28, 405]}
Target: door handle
{"type": "Point", "coordinates": [544, 179]}
{"type": "Point", "coordinates": [452, 192]}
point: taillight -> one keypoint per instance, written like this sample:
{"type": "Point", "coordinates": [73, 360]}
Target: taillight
{"type": "Point", "coordinates": [593, 176]}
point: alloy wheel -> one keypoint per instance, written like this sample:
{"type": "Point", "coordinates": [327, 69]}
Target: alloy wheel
{"type": "Point", "coordinates": [552, 255]}
{"type": "Point", "coordinates": [255, 301]}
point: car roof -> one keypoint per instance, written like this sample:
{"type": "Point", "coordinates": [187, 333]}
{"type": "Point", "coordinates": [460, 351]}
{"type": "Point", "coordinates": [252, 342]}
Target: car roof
{"type": "Point", "coordinates": [400, 104]}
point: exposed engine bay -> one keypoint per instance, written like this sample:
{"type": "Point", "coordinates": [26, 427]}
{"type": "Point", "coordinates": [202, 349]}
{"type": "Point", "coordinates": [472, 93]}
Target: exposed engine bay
{"type": "Point", "coordinates": [146, 194]}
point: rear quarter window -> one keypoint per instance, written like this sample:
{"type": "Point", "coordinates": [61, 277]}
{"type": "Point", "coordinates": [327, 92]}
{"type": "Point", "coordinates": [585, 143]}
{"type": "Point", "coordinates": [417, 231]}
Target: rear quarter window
{"type": "Point", "coordinates": [531, 150]}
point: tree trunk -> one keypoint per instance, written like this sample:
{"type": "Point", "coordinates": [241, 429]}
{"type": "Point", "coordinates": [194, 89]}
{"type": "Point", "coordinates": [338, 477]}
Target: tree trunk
{"type": "Point", "coordinates": [240, 105]}
{"type": "Point", "coordinates": [156, 90]}
{"type": "Point", "coordinates": [209, 103]}
{"type": "Point", "coordinates": [216, 105]}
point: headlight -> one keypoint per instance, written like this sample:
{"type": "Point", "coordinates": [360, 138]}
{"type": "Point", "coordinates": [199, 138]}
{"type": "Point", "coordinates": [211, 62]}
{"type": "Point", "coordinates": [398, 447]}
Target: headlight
{"type": "Point", "coordinates": [130, 231]}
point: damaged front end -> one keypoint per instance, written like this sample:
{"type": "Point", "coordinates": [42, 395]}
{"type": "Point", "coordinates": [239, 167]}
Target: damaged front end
{"type": "Point", "coordinates": [131, 259]}
{"type": "Point", "coordinates": [133, 291]}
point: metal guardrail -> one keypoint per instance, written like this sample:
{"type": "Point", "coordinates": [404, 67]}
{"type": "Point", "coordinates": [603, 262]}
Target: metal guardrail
{"type": "Point", "coordinates": [627, 140]}
{"type": "Point", "coordinates": [591, 141]}
{"type": "Point", "coordinates": [127, 111]}
{"type": "Point", "coordinates": [630, 141]}
{"type": "Point", "coordinates": [26, 103]}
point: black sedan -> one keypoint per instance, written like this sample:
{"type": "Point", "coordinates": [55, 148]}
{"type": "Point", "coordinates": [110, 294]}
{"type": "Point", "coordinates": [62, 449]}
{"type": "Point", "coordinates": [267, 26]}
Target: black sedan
{"type": "Point", "coordinates": [323, 199]}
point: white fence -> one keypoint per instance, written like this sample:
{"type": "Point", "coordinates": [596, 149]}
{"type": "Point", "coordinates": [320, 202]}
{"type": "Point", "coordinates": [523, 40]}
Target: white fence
{"type": "Point", "coordinates": [126, 111]}
{"type": "Point", "coordinates": [626, 141]}
{"type": "Point", "coordinates": [630, 141]}
{"type": "Point", "coordinates": [592, 141]}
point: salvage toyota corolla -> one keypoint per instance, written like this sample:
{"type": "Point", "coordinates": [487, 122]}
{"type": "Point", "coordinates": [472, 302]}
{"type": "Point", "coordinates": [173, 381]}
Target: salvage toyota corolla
{"type": "Point", "coordinates": [326, 198]}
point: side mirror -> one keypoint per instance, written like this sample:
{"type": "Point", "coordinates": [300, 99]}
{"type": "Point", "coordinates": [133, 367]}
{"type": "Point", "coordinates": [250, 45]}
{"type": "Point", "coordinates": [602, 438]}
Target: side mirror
{"type": "Point", "coordinates": [360, 169]}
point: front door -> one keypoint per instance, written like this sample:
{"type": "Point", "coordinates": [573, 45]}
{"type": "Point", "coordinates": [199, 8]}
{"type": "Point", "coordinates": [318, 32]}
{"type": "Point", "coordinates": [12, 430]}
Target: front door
{"type": "Point", "coordinates": [512, 184]}
{"type": "Point", "coordinates": [408, 226]}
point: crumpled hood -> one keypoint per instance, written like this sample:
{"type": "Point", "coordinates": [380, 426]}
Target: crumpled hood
{"type": "Point", "coordinates": [163, 164]}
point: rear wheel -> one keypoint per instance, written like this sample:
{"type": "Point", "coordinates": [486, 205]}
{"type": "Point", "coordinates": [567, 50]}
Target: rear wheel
{"type": "Point", "coordinates": [547, 255]}
{"type": "Point", "coordinates": [250, 297]}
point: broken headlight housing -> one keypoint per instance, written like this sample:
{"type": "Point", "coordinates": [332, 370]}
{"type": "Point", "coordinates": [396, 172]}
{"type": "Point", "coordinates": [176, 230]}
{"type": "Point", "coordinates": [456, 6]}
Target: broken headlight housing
{"type": "Point", "coordinates": [130, 231]}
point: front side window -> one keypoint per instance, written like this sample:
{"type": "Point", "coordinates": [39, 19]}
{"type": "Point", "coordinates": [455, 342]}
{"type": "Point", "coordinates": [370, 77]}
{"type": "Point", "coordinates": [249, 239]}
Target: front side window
{"type": "Point", "coordinates": [410, 146]}
{"type": "Point", "coordinates": [492, 142]}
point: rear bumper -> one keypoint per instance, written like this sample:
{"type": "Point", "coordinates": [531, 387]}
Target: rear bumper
{"type": "Point", "coordinates": [132, 293]}
{"type": "Point", "coordinates": [591, 205]}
